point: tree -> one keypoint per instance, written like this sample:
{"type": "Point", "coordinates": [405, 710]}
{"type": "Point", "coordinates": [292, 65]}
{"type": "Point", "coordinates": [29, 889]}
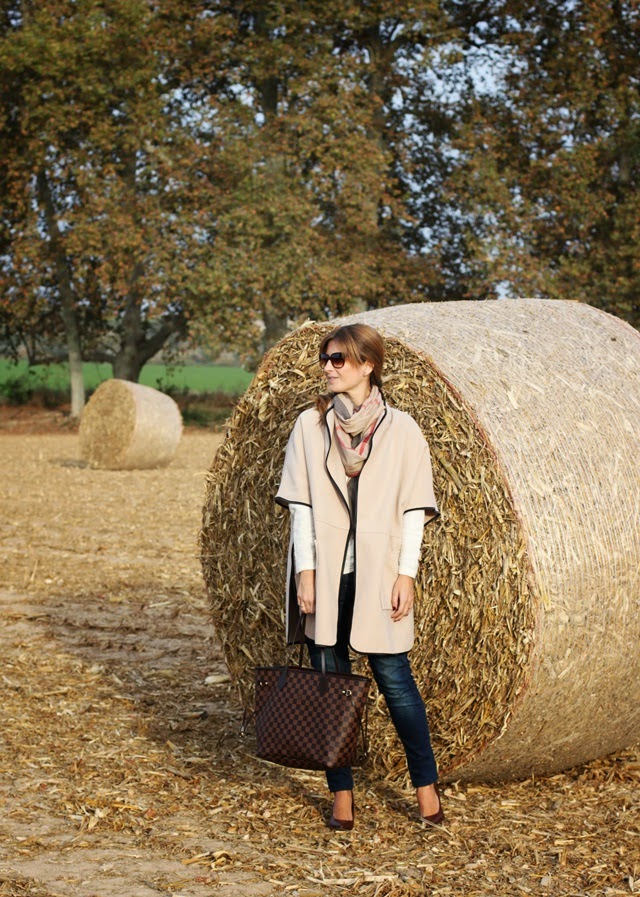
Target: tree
{"type": "Point", "coordinates": [228, 168]}
{"type": "Point", "coordinates": [309, 109]}
{"type": "Point", "coordinates": [100, 212]}
{"type": "Point", "coordinates": [548, 184]}
{"type": "Point", "coordinates": [242, 164]}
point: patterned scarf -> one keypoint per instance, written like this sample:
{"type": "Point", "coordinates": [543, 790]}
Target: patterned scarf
{"type": "Point", "coordinates": [354, 428]}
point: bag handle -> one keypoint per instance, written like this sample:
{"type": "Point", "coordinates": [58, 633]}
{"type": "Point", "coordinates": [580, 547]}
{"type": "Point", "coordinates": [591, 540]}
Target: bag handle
{"type": "Point", "coordinates": [299, 631]}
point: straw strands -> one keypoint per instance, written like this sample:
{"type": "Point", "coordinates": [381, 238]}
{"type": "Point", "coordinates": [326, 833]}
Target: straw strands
{"type": "Point", "coordinates": [127, 426]}
{"type": "Point", "coordinates": [527, 614]}
{"type": "Point", "coordinates": [121, 768]}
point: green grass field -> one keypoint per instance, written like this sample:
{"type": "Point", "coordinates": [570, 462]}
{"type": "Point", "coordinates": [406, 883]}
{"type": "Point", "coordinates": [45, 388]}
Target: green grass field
{"type": "Point", "coordinates": [15, 378]}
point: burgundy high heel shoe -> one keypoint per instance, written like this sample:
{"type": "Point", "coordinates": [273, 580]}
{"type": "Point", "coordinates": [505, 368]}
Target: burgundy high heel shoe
{"type": "Point", "coordinates": [436, 818]}
{"type": "Point", "coordinates": [344, 825]}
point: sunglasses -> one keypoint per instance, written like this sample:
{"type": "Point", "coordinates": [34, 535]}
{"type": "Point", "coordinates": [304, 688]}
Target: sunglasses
{"type": "Point", "coordinates": [337, 359]}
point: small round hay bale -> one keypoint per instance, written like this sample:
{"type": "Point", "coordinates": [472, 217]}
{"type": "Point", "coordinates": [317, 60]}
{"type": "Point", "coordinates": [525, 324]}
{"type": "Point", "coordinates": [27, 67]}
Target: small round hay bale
{"type": "Point", "coordinates": [127, 426]}
{"type": "Point", "coordinates": [528, 622]}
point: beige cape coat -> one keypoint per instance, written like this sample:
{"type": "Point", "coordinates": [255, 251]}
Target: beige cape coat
{"type": "Point", "coordinates": [395, 478]}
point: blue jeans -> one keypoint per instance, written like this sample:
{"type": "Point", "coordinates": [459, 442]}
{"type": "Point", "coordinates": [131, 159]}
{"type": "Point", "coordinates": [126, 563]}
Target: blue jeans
{"type": "Point", "coordinates": [393, 676]}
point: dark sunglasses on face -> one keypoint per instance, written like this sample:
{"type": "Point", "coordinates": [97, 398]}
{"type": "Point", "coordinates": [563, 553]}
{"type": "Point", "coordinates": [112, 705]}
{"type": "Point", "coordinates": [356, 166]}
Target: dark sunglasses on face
{"type": "Point", "coordinates": [337, 359]}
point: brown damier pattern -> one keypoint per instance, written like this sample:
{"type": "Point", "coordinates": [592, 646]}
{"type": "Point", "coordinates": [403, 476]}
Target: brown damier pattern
{"type": "Point", "coordinates": [308, 720]}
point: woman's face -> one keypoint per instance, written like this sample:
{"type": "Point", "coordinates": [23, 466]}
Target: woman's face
{"type": "Point", "coordinates": [351, 377]}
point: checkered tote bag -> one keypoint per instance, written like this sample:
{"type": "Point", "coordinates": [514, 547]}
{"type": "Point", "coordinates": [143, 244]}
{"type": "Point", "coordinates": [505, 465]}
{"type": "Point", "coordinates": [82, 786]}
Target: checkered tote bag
{"type": "Point", "coordinates": [310, 719]}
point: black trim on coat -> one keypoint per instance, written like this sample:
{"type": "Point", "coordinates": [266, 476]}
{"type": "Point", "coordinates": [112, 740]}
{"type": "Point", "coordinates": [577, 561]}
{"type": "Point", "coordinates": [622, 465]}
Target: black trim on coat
{"type": "Point", "coordinates": [339, 491]}
{"type": "Point", "coordinates": [353, 512]}
{"type": "Point", "coordinates": [433, 511]}
{"type": "Point", "coordinates": [285, 502]}
{"type": "Point", "coordinates": [295, 636]}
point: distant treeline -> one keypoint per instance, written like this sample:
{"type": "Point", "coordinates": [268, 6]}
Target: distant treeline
{"type": "Point", "coordinates": [217, 172]}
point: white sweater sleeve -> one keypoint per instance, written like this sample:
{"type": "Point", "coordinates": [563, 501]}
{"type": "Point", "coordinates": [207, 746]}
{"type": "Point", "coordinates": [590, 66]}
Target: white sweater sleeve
{"type": "Point", "coordinates": [412, 526]}
{"type": "Point", "coordinates": [304, 537]}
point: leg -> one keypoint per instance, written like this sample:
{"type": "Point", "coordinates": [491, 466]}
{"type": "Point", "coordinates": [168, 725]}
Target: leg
{"type": "Point", "coordinates": [394, 678]}
{"type": "Point", "coordinates": [339, 781]}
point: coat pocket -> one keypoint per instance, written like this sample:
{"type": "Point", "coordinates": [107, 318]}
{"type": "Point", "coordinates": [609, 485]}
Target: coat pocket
{"type": "Point", "coordinates": [390, 571]}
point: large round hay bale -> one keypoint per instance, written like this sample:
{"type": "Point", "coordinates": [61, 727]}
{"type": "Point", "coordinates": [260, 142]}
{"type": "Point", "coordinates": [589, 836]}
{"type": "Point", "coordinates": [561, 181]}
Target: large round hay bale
{"type": "Point", "coordinates": [528, 622]}
{"type": "Point", "coordinates": [127, 426]}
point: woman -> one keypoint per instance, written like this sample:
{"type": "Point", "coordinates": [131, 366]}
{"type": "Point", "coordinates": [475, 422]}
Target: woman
{"type": "Point", "coordinates": [357, 480]}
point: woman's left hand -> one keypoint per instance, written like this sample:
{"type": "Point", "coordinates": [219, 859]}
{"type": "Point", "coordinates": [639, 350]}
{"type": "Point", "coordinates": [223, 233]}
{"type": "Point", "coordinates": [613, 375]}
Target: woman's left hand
{"type": "Point", "coordinates": [402, 597]}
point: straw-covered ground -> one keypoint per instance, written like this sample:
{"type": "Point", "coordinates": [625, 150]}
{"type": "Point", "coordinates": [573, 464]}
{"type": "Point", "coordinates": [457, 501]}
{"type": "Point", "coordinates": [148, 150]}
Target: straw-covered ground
{"type": "Point", "coordinates": [121, 769]}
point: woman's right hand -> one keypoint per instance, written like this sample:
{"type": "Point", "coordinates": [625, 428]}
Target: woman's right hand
{"type": "Point", "coordinates": [307, 591]}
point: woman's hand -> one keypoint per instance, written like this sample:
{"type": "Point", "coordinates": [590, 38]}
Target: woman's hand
{"type": "Point", "coordinates": [402, 597]}
{"type": "Point", "coordinates": [307, 591]}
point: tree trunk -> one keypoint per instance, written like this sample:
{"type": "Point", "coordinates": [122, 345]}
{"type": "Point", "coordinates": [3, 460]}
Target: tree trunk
{"type": "Point", "coordinates": [275, 327]}
{"type": "Point", "coordinates": [274, 317]}
{"type": "Point", "coordinates": [127, 365]}
{"type": "Point", "coordinates": [68, 299]}
{"type": "Point", "coordinates": [76, 378]}
{"type": "Point", "coordinates": [136, 346]}
{"type": "Point", "coordinates": [74, 353]}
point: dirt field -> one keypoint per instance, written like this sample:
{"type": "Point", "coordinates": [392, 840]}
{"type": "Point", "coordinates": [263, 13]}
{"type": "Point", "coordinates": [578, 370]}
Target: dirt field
{"type": "Point", "coordinates": [121, 771]}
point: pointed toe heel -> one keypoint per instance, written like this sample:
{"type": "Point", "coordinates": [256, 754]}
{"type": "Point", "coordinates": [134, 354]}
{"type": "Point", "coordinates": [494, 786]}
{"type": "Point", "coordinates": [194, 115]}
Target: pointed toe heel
{"type": "Point", "coordinates": [343, 825]}
{"type": "Point", "coordinates": [436, 818]}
